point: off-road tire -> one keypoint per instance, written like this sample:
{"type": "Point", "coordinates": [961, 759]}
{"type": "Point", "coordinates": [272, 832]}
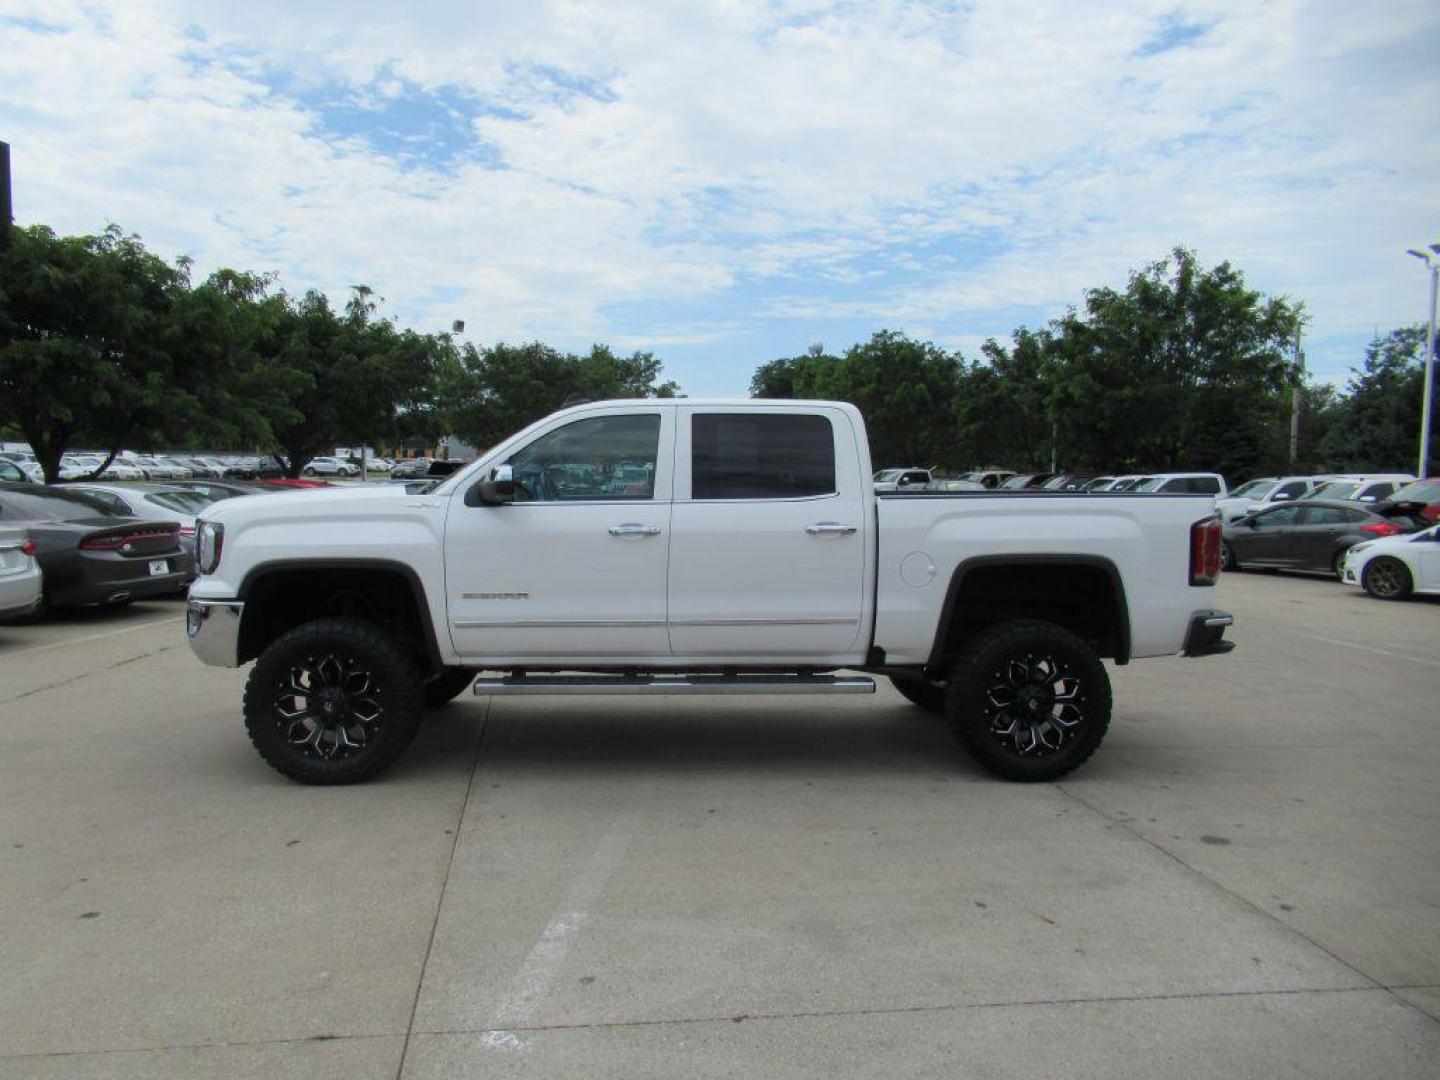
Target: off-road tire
{"type": "Point", "coordinates": [928, 695]}
{"type": "Point", "coordinates": [374, 681]}
{"type": "Point", "coordinates": [445, 687]}
{"type": "Point", "coordinates": [998, 676]}
{"type": "Point", "coordinates": [1387, 579]}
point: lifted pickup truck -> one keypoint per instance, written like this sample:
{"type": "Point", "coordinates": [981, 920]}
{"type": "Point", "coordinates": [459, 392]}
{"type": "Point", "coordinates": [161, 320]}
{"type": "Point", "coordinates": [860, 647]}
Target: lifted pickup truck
{"type": "Point", "coordinates": [693, 547]}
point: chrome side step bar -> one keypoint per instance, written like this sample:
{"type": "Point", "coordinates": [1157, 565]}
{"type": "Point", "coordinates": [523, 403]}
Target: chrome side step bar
{"type": "Point", "coordinates": [659, 685]}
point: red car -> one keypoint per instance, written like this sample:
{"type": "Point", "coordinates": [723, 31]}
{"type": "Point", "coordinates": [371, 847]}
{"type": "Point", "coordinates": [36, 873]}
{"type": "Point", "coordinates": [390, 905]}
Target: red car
{"type": "Point", "coordinates": [1419, 498]}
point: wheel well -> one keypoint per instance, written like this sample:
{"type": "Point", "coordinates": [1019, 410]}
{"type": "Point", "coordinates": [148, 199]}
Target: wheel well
{"type": "Point", "coordinates": [1087, 598]}
{"type": "Point", "coordinates": [280, 599]}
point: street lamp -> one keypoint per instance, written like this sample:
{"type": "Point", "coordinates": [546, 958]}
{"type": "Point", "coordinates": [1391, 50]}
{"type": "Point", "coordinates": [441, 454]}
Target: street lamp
{"type": "Point", "coordinates": [1431, 259]}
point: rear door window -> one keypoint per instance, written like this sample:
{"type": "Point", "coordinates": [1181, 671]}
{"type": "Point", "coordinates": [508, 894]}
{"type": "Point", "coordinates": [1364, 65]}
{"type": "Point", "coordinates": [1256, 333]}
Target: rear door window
{"type": "Point", "coordinates": [761, 456]}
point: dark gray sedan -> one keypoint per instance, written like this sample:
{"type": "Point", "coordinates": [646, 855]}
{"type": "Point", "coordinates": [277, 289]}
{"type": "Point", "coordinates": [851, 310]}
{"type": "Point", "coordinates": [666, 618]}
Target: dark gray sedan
{"type": "Point", "coordinates": [1309, 534]}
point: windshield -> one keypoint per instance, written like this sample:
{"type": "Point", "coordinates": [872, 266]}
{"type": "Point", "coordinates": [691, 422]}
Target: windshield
{"type": "Point", "coordinates": [1336, 489]}
{"type": "Point", "coordinates": [1254, 489]}
{"type": "Point", "coordinates": [885, 476]}
{"type": "Point", "coordinates": [1419, 491]}
{"type": "Point", "coordinates": [53, 506]}
{"type": "Point", "coordinates": [186, 502]}
{"type": "Point", "coordinates": [1150, 483]}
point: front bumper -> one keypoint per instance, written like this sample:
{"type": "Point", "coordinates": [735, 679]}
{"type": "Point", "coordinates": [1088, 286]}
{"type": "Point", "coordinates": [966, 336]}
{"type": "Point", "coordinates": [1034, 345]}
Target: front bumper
{"type": "Point", "coordinates": [1206, 636]}
{"type": "Point", "coordinates": [213, 627]}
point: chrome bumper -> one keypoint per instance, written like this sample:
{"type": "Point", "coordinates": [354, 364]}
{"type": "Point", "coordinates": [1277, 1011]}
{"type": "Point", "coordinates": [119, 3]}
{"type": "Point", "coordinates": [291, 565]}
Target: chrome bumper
{"type": "Point", "coordinates": [213, 627]}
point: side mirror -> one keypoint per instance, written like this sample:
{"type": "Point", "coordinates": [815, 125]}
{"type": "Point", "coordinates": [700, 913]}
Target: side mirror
{"type": "Point", "coordinates": [902, 482]}
{"type": "Point", "coordinates": [1249, 522]}
{"type": "Point", "coordinates": [498, 488]}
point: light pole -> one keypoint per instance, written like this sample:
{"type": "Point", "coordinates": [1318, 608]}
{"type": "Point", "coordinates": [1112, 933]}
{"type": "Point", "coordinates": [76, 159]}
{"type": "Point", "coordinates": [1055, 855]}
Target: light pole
{"type": "Point", "coordinates": [1431, 260]}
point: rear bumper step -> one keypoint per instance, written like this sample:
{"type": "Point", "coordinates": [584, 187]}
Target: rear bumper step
{"type": "Point", "coordinates": [1207, 634]}
{"type": "Point", "coordinates": [660, 685]}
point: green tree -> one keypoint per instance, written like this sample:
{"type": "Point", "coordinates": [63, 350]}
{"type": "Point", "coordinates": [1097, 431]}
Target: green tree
{"type": "Point", "coordinates": [1186, 368]}
{"type": "Point", "coordinates": [1004, 412]}
{"type": "Point", "coordinates": [85, 334]}
{"type": "Point", "coordinates": [484, 395]}
{"type": "Point", "coordinates": [1376, 427]}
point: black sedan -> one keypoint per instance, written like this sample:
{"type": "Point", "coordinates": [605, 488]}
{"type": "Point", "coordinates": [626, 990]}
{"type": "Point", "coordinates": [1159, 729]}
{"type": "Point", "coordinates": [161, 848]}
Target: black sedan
{"type": "Point", "coordinates": [91, 554]}
{"type": "Point", "coordinates": [1308, 534]}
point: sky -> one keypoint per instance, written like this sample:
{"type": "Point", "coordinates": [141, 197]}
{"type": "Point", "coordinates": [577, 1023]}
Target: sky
{"type": "Point", "coordinates": [726, 183]}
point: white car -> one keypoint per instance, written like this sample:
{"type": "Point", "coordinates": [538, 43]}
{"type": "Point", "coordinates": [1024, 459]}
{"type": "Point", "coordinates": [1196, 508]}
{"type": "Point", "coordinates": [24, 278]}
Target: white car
{"type": "Point", "coordinates": [20, 583]}
{"type": "Point", "coordinates": [1183, 483]}
{"type": "Point", "coordinates": [1366, 488]}
{"type": "Point", "coordinates": [1393, 568]}
{"type": "Point", "coordinates": [329, 466]}
{"type": "Point", "coordinates": [1264, 491]}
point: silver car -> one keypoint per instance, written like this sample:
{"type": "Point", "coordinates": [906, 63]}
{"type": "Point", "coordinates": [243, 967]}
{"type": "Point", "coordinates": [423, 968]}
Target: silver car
{"type": "Point", "coordinates": [20, 580]}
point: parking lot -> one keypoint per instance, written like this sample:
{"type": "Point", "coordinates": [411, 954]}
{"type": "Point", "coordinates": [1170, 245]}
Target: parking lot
{"type": "Point", "coordinates": [1244, 882]}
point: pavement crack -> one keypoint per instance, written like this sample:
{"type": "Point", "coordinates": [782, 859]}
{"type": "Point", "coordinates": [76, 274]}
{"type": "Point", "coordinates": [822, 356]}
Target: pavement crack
{"type": "Point", "coordinates": [1128, 826]}
{"type": "Point", "coordinates": [901, 1010]}
{"type": "Point", "coordinates": [445, 884]}
{"type": "Point", "coordinates": [87, 674]}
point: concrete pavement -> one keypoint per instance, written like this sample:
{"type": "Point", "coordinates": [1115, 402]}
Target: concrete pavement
{"type": "Point", "coordinates": [1244, 881]}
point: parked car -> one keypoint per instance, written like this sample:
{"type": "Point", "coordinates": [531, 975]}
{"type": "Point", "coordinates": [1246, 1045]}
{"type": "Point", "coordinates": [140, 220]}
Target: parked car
{"type": "Point", "coordinates": [1022, 481]}
{"type": "Point", "coordinates": [11, 471]}
{"type": "Point", "coordinates": [409, 468]}
{"type": "Point", "coordinates": [161, 502]}
{"type": "Point", "coordinates": [1421, 498]}
{"type": "Point", "coordinates": [1394, 567]}
{"type": "Point", "coordinates": [990, 478]}
{"type": "Point", "coordinates": [156, 468]}
{"type": "Point", "coordinates": [89, 553]}
{"type": "Point", "coordinates": [1365, 488]}
{"type": "Point", "coordinates": [26, 463]}
{"type": "Point", "coordinates": [1114, 484]}
{"type": "Point", "coordinates": [1264, 491]}
{"type": "Point", "coordinates": [1183, 483]}
{"type": "Point", "coordinates": [908, 478]}
{"type": "Point", "coordinates": [20, 576]}
{"type": "Point", "coordinates": [329, 466]}
{"type": "Point", "coordinates": [1068, 482]}
{"type": "Point", "coordinates": [1312, 534]}
{"type": "Point", "coordinates": [215, 490]}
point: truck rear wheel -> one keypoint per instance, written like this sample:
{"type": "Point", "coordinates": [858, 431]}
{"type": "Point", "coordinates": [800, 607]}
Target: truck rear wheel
{"type": "Point", "coordinates": [334, 701]}
{"type": "Point", "coordinates": [928, 695]}
{"type": "Point", "coordinates": [451, 682]}
{"type": "Point", "coordinates": [1029, 700]}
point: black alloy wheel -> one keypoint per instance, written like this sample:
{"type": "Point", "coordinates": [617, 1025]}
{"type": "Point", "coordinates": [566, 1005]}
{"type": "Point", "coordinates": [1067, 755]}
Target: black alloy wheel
{"type": "Point", "coordinates": [1387, 578]}
{"type": "Point", "coordinates": [1029, 700]}
{"type": "Point", "coordinates": [334, 701]}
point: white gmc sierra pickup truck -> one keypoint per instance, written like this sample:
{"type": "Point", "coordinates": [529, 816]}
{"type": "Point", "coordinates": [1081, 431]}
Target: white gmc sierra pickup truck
{"type": "Point", "coordinates": [693, 547]}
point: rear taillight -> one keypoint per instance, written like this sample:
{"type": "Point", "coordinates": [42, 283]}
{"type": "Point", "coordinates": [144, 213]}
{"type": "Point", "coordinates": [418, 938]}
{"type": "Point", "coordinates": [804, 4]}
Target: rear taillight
{"type": "Point", "coordinates": [187, 530]}
{"type": "Point", "coordinates": [1205, 551]}
{"type": "Point", "coordinates": [28, 547]}
{"type": "Point", "coordinates": [1381, 528]}
{"type": "Point", "coordinates": [101, 543]}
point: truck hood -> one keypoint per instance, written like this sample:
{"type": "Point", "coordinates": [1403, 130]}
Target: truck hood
{"type": "Point", "coordinates": [309, 504]}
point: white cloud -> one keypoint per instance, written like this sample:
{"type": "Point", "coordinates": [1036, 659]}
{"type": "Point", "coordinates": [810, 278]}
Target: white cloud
{"type": "Point", "coordinates": [768, 168]}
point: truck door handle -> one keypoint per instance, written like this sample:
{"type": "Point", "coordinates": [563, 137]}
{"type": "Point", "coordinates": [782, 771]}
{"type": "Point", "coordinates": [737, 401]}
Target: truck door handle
{"type": "Point", "coordinates": [631, 528]}
{"type": "Point", "coordinates": [829, 528]}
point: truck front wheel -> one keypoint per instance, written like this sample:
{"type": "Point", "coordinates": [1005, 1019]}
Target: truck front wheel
{"type": "Point", "coordinates": [334, 701]}
{"type": "Point", "coordinates": [1029, 700]}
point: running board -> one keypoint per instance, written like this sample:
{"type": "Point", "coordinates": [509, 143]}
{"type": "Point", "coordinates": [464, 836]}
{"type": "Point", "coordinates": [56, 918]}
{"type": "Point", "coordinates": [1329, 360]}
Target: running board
{"type": "Point", "coordinates": [660, 685]}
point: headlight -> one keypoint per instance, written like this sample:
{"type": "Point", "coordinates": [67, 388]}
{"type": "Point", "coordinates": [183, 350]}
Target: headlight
{"type": "Point", "coordinates": [1356, 549]}
{"type": "Point", "coordinates": [210, 538]}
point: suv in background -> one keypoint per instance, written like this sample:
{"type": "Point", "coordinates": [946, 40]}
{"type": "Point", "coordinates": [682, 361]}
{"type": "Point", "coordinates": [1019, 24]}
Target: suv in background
{"type": "Point", "coordinates": [1189, 483]}
{"type": "Point", "coordinates": [1264, 491]}
{"type": "Point", "coordinates": [906, 479]}
{"type": "Point", "coordinates": [329, 466]}
{"type": "Point", "coordinates": [1362, 487]}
